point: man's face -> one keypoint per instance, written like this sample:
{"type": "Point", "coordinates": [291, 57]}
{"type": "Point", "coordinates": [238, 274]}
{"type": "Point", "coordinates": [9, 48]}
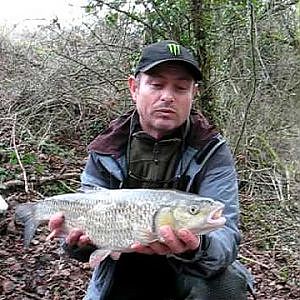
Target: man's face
{"type": "Point", "coordinates": [163, 98]}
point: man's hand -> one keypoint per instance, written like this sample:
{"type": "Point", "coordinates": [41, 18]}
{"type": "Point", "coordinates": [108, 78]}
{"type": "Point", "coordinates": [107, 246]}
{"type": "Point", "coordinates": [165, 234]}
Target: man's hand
{"type": "Point", "coordinates": [74, 237]}
{"type": "Point", "coordinates": [183, 241]}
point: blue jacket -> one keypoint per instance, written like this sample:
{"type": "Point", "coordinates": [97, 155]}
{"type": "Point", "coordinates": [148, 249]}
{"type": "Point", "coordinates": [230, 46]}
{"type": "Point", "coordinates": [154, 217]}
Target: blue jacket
{"type": "Point", "coordinates": [209, 170]}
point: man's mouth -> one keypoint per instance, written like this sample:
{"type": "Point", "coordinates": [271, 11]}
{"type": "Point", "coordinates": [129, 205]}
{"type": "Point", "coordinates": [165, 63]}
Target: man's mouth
{"type": "Point", "coordinates": [166, 110]}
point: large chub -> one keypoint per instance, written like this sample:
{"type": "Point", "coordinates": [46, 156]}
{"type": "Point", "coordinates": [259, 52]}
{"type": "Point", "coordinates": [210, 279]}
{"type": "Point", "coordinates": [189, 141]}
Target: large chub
{"type": "Point", "coordinates": [115, 219]}
{"type": "Point", "coordinates": [25, 214]}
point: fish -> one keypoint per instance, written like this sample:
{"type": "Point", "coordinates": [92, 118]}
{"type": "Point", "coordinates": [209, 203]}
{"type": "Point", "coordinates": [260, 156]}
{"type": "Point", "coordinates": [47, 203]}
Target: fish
{"type": "Point", "coordinates": [114, 219]}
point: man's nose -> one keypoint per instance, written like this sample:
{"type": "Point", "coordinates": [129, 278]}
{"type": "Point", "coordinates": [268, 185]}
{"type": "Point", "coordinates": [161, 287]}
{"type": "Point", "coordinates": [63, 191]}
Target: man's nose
{"type": "Point", "coordinates": [168, 95]}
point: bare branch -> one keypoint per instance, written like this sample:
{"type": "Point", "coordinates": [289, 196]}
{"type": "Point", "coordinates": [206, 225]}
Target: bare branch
{"type": "Point", "coordinates": [18, 156]}
{"type": "Point", "coordinates": [132, 16]}
{"type": "Point", "coordinates": [38, 181]}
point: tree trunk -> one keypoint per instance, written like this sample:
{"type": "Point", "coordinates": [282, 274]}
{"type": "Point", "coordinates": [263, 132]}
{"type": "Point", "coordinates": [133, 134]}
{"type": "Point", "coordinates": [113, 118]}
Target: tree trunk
{"type": "Point", "coordinates": [200, 25]}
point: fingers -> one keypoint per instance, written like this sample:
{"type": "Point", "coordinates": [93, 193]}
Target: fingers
{"type": "Point", "coordinates": [139, 248]}
{"type": "Point", "coordinates": [84, 240]}
{"type": "Point", "coordinates": [184, 240]}
{"type": "Point", "coordinates": [190, 240]}
{"type": "Point", "coordinates": [74, 236]}
{"type": "Point", "coordinates": [56, 226]}
{"type": "Point", "coordinates": [54, 233]}
{"type": "Point", "coordinates": [180, 242]}
{"type": "Point", "coordinates": [153, 248]}
{"type": "Point", "coordinates": [56, 221]}
{"type": "Point", "coordinates": [171, 240]}
{"type": "Point", "coordinates": [160, 249]}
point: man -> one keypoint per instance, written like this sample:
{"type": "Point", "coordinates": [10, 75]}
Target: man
{"type": "Point", "coordinates": [163, 143]}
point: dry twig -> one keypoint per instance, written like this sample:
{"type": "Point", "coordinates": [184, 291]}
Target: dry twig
{"type": "Point", "coordinates": [274, 234]}
{"type": "Point", "coordinates": [38, 181]}
{"type": "Point", "coordinates": [17, 154]}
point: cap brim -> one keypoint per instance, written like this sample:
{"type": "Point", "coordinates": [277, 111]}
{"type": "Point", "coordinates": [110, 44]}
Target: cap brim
{"type": "Point", "coordinates": [194, 69]}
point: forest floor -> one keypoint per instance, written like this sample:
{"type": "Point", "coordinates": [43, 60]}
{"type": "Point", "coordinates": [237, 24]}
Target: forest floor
{"type": "Point", "coordinates": [269, 249]}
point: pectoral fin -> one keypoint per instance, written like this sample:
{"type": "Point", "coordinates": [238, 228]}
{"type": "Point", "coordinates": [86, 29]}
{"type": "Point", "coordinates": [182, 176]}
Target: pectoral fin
{"type": "Point", "coordinates": [98, 256]}
{"type": "Point", "coordinates": [144, 236]}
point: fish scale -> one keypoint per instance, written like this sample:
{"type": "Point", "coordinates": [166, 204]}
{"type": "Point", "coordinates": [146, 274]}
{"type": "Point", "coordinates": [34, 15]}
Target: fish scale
{"type": "Point", "coordinates": [114, 226]}
{"type": "Point", "coordinates": [115, 219]}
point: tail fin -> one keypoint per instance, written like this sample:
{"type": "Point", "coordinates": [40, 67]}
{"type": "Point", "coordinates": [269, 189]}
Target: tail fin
{"type": "Point", "coordinates": [25, 214]}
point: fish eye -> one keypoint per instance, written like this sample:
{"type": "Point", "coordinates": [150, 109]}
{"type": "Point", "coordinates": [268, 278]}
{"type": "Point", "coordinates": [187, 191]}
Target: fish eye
{"type": "Point", "coordinates": [194, 209]}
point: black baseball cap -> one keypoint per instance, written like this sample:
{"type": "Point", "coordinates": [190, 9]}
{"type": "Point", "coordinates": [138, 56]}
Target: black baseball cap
{"type": "Point", "coordinates": [167, 50]}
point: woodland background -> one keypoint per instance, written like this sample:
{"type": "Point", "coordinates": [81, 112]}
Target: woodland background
{"type": "Point", "coordinates": [59, 87]}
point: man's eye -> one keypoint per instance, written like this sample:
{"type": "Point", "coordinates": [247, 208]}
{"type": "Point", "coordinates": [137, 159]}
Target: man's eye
{"type": "Point", "coordinates": [156, 85]}
{"type": "Point", "coordinates": [182, 88]}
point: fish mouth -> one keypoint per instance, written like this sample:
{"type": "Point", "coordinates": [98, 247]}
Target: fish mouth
{"type": "Point", "coordinates": [215, 217]}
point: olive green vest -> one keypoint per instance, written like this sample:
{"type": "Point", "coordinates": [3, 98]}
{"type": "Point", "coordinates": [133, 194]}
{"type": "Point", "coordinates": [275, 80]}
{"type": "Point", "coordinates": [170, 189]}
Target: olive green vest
{"type": "Point", "coordinates": [152, 163]}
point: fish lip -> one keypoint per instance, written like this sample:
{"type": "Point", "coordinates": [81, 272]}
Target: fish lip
{"type": "Point", "coordinates": [215, 217]}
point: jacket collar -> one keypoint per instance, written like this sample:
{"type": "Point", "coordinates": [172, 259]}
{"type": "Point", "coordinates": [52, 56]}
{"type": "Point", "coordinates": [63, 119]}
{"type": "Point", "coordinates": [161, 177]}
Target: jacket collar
{"type": "Point", "coordinates": [114, 139]}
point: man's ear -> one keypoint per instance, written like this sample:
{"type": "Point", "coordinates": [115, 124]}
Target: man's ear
{"type": "Point", "coordinates": [195, 90]}
{"type": "Point", "coordinates": [133, 86]}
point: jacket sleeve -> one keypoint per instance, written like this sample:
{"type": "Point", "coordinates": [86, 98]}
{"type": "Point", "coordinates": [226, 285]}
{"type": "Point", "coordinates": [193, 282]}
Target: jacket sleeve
{"type": "Point", "coordinates": [94, 175]}
{"type": "Point", "coordinates": [219, 248]}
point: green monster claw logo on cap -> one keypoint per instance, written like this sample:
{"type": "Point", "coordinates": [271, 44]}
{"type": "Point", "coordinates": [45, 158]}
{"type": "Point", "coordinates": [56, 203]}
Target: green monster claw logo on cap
{"type": "Point", "coordinates": [174, 49]}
